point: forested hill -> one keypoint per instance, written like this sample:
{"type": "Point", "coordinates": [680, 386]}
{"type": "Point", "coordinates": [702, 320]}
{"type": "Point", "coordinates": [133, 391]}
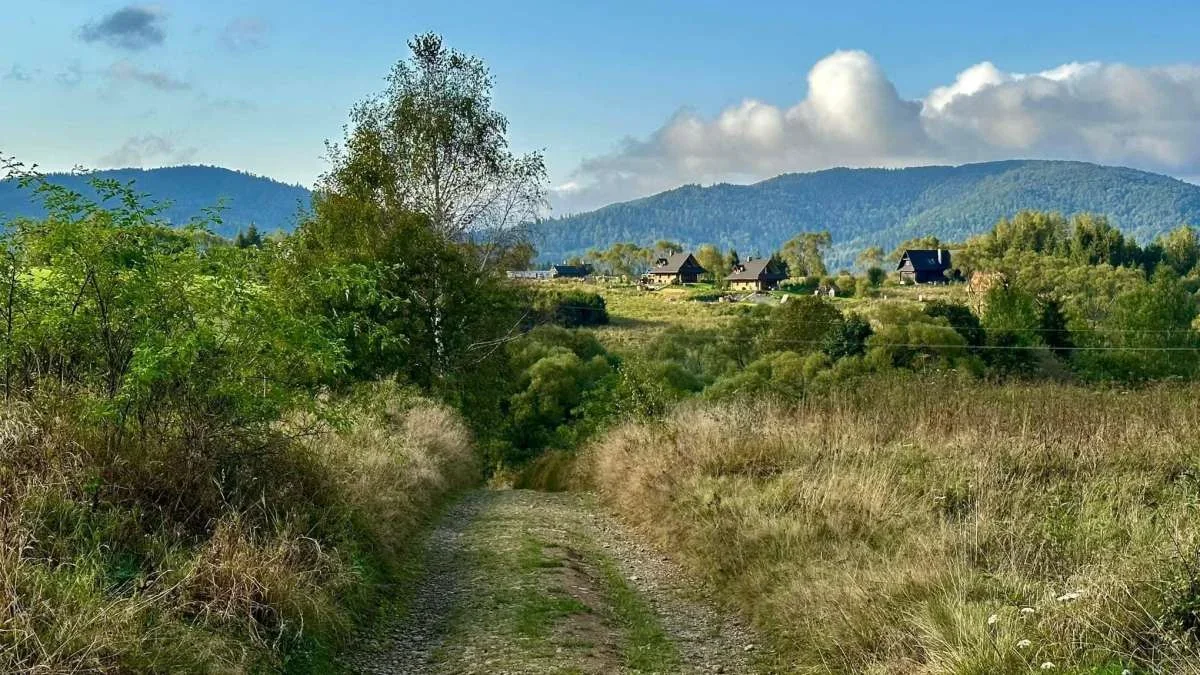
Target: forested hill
{"type": "Point", "coordinates": [862, 207]}
{"type": "Point", "coordinates": [268, 204]}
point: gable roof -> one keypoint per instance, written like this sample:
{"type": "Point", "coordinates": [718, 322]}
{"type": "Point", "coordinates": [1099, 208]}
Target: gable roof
{"type": "Point", "coordinates": [925, 259]}
{"type": "Point", "coordinates": [572, 270]}
{"type": "Point", "coordinates": [674, 264]}
{"type": "Point", "coordinates": [755, 270]}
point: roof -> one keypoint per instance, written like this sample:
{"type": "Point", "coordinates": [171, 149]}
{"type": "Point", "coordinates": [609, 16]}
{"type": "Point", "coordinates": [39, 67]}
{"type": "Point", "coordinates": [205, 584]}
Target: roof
{"type": "Point", "coordinates": [755, 270]}
{"type": "Point", "coordinates": [572, 270]}
{"type": "Point", "coordinates": [674, 264]}
{"type": "Point", "coordinates": [926, 259]}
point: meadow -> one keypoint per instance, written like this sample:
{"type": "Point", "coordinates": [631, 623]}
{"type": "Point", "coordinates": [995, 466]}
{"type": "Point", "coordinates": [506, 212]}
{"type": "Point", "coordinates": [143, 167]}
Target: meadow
{"type": "Point", "coordinates": [927, 524]}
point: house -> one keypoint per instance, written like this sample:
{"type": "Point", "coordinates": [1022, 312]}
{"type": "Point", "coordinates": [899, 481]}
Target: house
{"type": "Point", "coordinates": [756, 275]}
{"type": "Point", "coordinates": [680, 268]}
{"type": "Point", "coordinates": [531, 275]}
{"type": "Point", "coordinates": [555, 272]}
{"type": "Point", "coordinates": [570, 271]}
{"type": "Point", "coordinates": [924, 266]}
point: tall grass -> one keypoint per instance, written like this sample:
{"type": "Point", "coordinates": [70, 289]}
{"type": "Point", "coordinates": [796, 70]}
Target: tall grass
{"type": "Point", "coordinates": [143, 558]}
{"type": "Point", "coordinates": [922, 525]}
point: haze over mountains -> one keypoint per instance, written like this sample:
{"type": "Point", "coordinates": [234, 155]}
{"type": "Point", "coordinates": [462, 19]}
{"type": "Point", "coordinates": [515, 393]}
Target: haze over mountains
{"type": "Point", "coordinates": [268, 204]}
{"type": "Point", "coordinates": [860, 207]}
{"type": "Point", "coordinates": [863, 207]}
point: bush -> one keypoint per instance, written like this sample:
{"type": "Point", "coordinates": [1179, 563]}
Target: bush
{"type": "Point", "coordinates": [571, 309]}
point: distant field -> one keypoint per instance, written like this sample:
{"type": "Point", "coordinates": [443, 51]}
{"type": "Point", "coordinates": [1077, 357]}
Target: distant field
{"type": "Point", "coordinates": [636, 315]}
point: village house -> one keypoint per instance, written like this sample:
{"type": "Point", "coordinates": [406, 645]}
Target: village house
{"type": "Point", "coordinates": [680, 268]}
{"type": "Point", "coordinates": [924, 266]}
{"type": "Point", "coordinates": [571, 271]}
{"type": "Point", "coordinates": [555, 272]}
{"type": "Point", "coordinates": [756, 275]}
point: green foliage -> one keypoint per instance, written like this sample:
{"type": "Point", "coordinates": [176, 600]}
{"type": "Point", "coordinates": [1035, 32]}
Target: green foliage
{"type": "Point", "coordinates": [803, 323]}
{"type": "Point", "coordinates": [624, 259]}
{"type": "Point", "coordinates": [848, 338]}
{"type": "Point", "coordinates": [876, 276]}
{"type": "Point", "coordinates": [909, 338]}
{"type": "Point", "coordinates": [960, 318]}
{"type": "Point", "coordinates": [715, 264]}
{"type": "Point", "coordinates": [805, 253]}
{"type": "Point", "coordinates": [154, 333]}
{"type": "Point", "coordinates": [1148, 333]}
{"type": "Point", "coordinates": [871, 257]}
{"type": "Point", "coordinates": [571, 308]}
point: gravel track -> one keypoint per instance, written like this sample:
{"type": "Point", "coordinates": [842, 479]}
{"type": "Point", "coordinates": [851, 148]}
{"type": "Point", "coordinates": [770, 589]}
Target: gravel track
{"type": "Point", "coordinates": [455, 619]}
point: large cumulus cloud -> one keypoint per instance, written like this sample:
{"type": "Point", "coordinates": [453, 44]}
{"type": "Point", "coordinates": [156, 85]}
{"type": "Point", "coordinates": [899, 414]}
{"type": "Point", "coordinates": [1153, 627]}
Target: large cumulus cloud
{"type": "Point", "coordinates": [852, 115]}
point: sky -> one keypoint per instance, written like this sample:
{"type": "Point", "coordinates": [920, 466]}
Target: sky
{"type": "Point", "coordinates": [624, 99]}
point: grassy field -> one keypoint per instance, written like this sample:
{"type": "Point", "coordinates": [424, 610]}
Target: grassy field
{"type": "Point", "coordinates": [636, 314]}
{"type": "Point", "coordinates": [922, 525]}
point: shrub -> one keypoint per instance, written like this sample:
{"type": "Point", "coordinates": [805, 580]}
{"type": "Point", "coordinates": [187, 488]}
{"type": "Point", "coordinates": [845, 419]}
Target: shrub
{"type": "Point", "coordinates": [571, 309]}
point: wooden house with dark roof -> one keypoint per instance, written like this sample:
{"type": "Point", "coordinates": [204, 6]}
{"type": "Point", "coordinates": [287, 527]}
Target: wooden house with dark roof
{"type": "Point", "coordinates": [924, 266]}
{"type": "Point", "coordinates": [763, 274]}
{"type": "Point", "coordinates": [570, 271]}
{"type": "Point", "coordinates": [680, 268]}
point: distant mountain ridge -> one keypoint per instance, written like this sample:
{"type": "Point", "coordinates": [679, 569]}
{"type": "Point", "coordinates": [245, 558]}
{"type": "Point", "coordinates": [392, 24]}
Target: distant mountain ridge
{"type": "Point", "coordinates": [268, 204]}
{"type": "Point", "coordinates": [864, 207]}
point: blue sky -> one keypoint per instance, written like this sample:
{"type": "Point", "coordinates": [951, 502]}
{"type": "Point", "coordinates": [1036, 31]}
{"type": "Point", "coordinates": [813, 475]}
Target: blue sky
{"type": "Point", "coordinates": [624, 98]}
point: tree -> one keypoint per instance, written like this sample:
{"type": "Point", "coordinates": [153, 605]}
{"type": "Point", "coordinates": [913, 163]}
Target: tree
{"type": "Point", "coordinates": [1180, 249]}
{"type": "Point", "coordinates": [1095, 241]}
{"type": "Point", "coordinates": [872, 256]}
{"type": "Point", "coordinates": [849, 338]}
{"type": "Point", "coordinates": [626, 258]}
{"type": "Point", "coordinates": [960, 318]}
{"type": "Point", "coordinates": [250, 238]}
{"type": "Point", "coordinates": [1147, 333]}
{"type": "Point", "coordinates": [667, 248]}
{"type": "Point", "coordinates": [1012, 321]}
{"type": "Point", "coordinates": [732, 260]}
{"type": "Point", "coordinates": [876, 276]}
{"type": "Point", "coordinates": [713, 262]}
{"type": "Point", "coordinates": [802, 324]}
{"type": "Point", "coordinates": [432, 144]}
{"type": "Point", "coordinates": [805, 253]}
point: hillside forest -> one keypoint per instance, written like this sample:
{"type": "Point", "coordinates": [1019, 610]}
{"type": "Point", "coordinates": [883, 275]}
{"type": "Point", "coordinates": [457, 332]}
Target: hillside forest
{"type": "Point", "coordinates": [218, 450]}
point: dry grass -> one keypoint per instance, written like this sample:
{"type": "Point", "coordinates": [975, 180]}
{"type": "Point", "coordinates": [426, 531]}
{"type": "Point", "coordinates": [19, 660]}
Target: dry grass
{"type": "Point", "coordinates": [881, 530]}
{"type": "Point", "coordinates": [106, 566]}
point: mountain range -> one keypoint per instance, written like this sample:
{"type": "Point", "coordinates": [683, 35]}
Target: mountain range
{"type": "Point", "coordinates": [864, 207]}
{"type": "Point", "coordinates": [859, 207]}
{"type": "Point", "coordinates": [187, 190]}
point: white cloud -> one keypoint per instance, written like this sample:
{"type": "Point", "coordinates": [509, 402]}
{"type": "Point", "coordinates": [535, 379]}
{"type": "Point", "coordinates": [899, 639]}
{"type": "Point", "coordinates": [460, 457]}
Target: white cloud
{"type": "Point", "coordinates": [852, 115]}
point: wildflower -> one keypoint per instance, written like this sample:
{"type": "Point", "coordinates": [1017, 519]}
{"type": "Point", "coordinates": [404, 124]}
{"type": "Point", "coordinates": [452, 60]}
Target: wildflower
{"type": "Point", "coordinates": [1024, 644]}
{"type": "Point", "coordinates": [993, 619]}
{"type": "Point", "coordinates": [1067, 597]}
{"type": "Point", "coordinates": [1046, 665]}
{"type": "Point", "coordinates": [1027, 611]}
